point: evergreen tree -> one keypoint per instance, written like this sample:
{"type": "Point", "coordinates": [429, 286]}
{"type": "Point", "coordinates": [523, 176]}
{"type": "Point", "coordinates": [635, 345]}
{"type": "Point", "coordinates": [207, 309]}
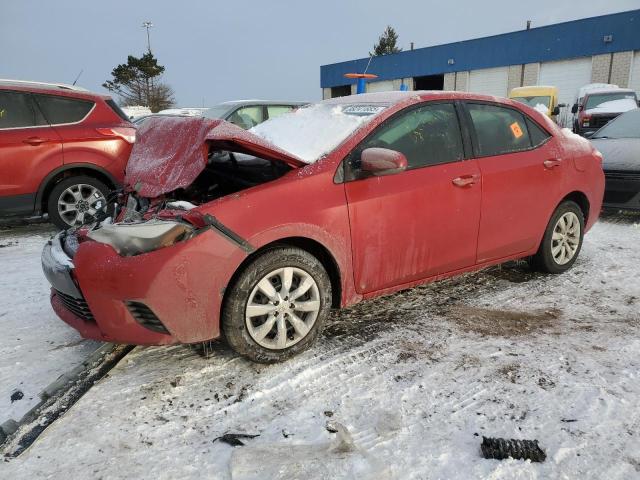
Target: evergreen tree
{"type": "Point", "coordinates": [137, 82]}
{"type": "Point", "coordinates": [387, 43]}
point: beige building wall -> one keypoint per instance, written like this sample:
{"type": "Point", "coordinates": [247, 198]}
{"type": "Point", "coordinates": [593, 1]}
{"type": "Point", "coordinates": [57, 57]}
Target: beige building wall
{"type": "Point", "coordinates": [462, 81]}
{"type": "Point", "coordinates": [621, 68]}
{"type": "Point", "coordinates": [530, 74]}
{"type": "Point", "coordinates": [449, 81]}
{"type": "Point", "coordinates": [600, 68]}
{"type": "Point", "coordinates": [514, 77]}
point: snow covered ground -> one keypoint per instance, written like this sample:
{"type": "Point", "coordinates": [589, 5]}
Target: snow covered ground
{"type": "Point", "coordinates": [417, 379]}
{"type": "Point", "coordinates": [36, 347]}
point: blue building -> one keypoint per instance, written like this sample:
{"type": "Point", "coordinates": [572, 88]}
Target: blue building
{"type": "Point", "coordinates": [604, 49]}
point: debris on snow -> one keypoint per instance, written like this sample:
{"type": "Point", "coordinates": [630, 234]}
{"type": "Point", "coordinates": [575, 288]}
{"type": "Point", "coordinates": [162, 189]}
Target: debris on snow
{"type": "Point", "coordinates": [16, 395]}
{"type": "Point", "coordinates": [338, 459]}
{"type": "Point", "coordinates": [235, 439]}
{"type": "Point", "coordinates": [500, 449]}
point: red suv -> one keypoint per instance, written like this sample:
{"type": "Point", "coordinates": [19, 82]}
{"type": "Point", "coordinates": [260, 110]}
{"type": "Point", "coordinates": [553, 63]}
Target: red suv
{"type": "Point", "coordinates": [62, 150]}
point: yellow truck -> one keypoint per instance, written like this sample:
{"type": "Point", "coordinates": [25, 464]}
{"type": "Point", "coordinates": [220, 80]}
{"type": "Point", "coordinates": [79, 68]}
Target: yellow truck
{"type": "Point", "coordinates": [542, 98]}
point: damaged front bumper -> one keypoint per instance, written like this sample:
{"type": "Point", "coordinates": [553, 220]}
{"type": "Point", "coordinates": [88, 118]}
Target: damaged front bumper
{"type": "Point", "coordinates": [170, 295]}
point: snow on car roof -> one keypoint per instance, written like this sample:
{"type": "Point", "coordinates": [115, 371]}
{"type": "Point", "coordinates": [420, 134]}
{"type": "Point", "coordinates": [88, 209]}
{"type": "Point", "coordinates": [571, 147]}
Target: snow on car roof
{"type": "Point", "coordinates": [388, 98]}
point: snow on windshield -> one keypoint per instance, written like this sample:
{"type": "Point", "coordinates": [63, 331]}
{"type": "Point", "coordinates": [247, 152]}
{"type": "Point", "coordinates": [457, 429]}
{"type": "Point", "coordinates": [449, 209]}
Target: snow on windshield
{"type": "Point", "coordinates": [313, 131]}
{"type": "Point", "coordinates": [542, 108]}
{"type": "Point", "coordinates": [614, 106]}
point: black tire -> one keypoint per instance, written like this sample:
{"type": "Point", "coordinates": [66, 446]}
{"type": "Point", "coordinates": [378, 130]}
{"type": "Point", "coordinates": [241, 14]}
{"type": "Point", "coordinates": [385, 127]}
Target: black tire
{"type": "Point", "coordinates": [544, 260]}
{"type": "Point", "coordinates": [60, 187]}
{"type": "Point", "coordinates": [234, 327]}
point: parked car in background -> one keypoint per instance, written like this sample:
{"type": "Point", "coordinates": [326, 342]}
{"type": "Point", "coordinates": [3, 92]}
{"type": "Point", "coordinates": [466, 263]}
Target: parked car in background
{"type": "Point", "coordinates": [343, 200]}
{"type": "Point", "coordinates": [619, 144]}
{"type": "Point", "coordinates": [598, 104]}
{"type": "Point", "coordinates": [542, 98]}
{"type": "Point", "coordinates": [249, 113]}
{"type": "Point", "coordinates": [62, 150]}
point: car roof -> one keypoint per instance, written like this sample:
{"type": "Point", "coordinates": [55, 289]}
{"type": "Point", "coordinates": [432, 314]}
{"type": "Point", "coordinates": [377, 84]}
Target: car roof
{"type": "Point", "coordinates": [395, 97]}
{"type": "Point", "coordinates": [51, 88]}
{"type": "Point", "coordinates": [235, 103]}
{"type": "Point", "coordinates": [534, 89]}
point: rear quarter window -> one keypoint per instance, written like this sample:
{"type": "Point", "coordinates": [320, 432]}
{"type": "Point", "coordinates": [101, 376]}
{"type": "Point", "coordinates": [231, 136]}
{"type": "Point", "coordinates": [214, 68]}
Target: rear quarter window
{"type": "Point", "coordinates": [536, 133]}
{"type": "Point", "coordinates": [117, 110]}
{"type": "Point", "coordinates": [60, 110]}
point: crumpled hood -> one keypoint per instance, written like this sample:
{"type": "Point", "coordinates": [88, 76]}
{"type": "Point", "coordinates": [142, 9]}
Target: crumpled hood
{"type": "Point", "coordinates": [619, 153]}
{"type": "Point", "coordinates": [170, 152]}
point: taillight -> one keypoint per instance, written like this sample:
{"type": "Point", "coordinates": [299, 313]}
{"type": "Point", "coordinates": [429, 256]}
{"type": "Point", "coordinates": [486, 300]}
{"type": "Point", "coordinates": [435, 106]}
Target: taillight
{"type": "Point", "coordinates": [128, 134]}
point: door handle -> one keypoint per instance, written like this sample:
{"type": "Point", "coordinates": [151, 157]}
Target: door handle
{"type": "Point", "coordinates": [465, 180]}
{"type": "Point", "coordinates": [35, 140]}
{"type": "Point", "coordinates": [552, 163]}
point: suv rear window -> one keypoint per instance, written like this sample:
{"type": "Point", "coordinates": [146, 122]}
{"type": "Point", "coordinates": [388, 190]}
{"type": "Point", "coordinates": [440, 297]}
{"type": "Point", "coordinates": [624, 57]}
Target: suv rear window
{"type": "Point", "coordinates": [60, 110]}
{"type": "Point", "coordinates": [16, 110]}
{"type": "Point", "coordinates": [118, 111]}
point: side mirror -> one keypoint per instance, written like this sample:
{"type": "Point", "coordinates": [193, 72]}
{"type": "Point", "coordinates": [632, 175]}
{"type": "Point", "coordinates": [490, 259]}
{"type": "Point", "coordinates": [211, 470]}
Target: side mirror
{"type": "Point", "coordinates": [574, 109]}
{"type": "Point", "coordinates": [382, 161]}
{"type": "Point", "coordinates": [556, 110]}
{"type": "Point", "coordinates": [562, 105]}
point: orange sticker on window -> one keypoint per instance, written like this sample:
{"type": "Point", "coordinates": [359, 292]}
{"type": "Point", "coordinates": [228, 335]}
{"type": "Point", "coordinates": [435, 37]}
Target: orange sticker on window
{"type": "Point", "coordinates": [516, 130]}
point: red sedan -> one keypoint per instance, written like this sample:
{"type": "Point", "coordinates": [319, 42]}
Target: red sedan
{"type": "Point", "coordinates": [253, 236]}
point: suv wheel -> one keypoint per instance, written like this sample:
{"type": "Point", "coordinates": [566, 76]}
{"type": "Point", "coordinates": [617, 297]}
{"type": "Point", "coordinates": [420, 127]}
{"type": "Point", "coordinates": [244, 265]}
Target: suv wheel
{"type": "Point", "coordinates": [562, 239]}
{"type": "Point", "coordinates": [76, 200]}
{"type": "Point", "coordinates": [277, 306]}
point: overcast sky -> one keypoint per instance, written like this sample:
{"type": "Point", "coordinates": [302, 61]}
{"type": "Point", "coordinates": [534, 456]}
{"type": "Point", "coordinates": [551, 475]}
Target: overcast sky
{"type": "Point", "coordinates": [222, 50]}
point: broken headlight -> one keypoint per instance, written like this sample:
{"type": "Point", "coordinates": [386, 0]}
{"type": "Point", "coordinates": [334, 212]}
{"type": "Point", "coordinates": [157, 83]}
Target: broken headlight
{"type": "Point", "coordinates": [130, 239]}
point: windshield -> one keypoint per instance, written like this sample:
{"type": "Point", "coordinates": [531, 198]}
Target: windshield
{"type": "Point", "coordinates": [626, 125]}
{"type": "Point", "coordinates": [595, 100]}
{"type": "Point", "coordinates": [533, 101]}
{"type": "Point", "coordinates": [313, 131]}
{"type": "Point", "coordinates": [219, 111]}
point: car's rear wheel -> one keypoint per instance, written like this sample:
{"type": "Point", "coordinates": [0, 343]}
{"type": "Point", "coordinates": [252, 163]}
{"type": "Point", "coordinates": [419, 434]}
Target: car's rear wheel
{"type": "Point", "coordinates": [76, 200]}
{"type": "Point", "coordinates": [277, 306]}
{"type": "Point", "coordinates": [562, 239]}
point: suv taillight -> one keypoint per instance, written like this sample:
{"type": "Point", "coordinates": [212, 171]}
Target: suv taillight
{"type": "Point", "coordinates": [128, 134]}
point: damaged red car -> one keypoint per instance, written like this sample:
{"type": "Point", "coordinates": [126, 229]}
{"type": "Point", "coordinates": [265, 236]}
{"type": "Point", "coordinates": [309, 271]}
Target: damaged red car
{"type": "Point", "coordinates": [253, 236]}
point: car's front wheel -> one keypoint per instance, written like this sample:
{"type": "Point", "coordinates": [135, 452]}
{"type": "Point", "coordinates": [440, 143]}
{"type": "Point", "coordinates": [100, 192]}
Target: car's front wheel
{"type": "Point", "coordinates": [277, 306]}
{"type": "Point", "coordinates": [562, 239]}
{"type": "Point", "coordinates": [76, 200]}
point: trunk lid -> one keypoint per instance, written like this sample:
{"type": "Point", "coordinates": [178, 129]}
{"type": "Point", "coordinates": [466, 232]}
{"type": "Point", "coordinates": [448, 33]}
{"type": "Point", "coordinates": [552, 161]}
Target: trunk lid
{"type": "Point", "coordinates": [170, 152]}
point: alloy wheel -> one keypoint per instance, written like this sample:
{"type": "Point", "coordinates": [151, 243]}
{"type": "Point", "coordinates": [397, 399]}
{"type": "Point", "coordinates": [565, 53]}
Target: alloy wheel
{"type": "Point", "coordinates": [282, 308]}
{"type": "Point", "coordinates": [565, 239]}
{"type": "Point", "coordinates": [78, 202]}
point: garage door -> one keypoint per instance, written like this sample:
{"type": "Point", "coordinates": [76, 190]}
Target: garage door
{"type": "Point", "coordinates": [382, 86]}
{"type": "Point", "coordinates": [490, 81]}
{"type": "Point", "coordinates": [568, 76]}
{"type": "Point", "coordinates": [635, 72]}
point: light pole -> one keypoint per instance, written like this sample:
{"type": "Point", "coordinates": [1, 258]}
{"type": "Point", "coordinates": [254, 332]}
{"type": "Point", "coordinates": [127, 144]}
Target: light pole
{"type": "Point", "coordinates": [148, 25]}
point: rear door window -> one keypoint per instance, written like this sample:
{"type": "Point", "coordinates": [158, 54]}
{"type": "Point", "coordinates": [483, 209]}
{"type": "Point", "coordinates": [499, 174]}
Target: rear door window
{"type": "Point", "coordinates": [17, 110]}
{"type": "Point", "coordinates": [499, 130]}
{"type": "Point", "coordinates": [61, 110]}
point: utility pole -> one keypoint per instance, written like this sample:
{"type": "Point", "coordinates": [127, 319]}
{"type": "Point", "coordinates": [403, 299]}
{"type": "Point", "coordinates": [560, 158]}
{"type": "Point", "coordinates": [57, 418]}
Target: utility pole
{"type": "Point", "coordinates": [148, 25]}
